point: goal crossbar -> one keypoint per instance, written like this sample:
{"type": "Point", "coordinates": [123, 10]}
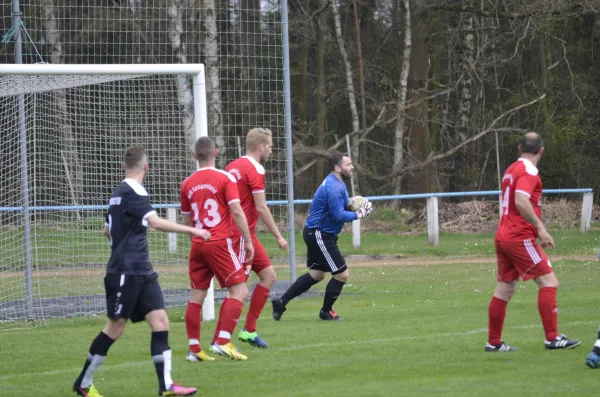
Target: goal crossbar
{"type": "Point", "coordinates": [124, 69]}
{"type": "Point", "coordinates": [133, 70]}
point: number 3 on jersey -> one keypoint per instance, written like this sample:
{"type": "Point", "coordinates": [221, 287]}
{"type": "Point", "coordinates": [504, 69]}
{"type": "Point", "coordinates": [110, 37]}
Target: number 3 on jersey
{"type": "Point", "coordinates": [505, 200]}
{"type": "Point", "coordinates": [212, 218]}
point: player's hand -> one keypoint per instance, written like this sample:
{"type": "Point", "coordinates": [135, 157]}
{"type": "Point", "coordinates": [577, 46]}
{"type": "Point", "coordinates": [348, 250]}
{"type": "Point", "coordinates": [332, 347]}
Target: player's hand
{"type": "Point", "coordinates": [546, 240]}
{"type": "Point", "coordinates": [282, 243]}
{"type": "Point", "coordinates": [249, 251]}
{"type": "Point", "coordinates": [203, 234]}
{"type": "Point", "coordinates": [365, 210]}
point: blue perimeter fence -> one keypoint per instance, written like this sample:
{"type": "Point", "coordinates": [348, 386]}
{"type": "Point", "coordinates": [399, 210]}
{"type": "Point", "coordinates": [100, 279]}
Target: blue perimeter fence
{"type": "Point", "coordinates": [304, 201]}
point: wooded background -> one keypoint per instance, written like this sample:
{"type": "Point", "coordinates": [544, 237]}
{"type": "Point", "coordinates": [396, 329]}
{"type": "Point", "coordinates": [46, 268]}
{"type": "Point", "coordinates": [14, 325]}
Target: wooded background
{"type": "Point", "coordinates": [430, 91]}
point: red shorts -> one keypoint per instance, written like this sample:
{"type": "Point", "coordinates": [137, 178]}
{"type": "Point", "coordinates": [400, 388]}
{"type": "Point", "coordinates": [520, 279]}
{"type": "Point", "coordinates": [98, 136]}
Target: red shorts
{"type": "Point", "coordinates": [525, 259]}
{"type": "Point", "coordinates": [260, 261]}
{"type": "Point", "coordinates": [215, 258]}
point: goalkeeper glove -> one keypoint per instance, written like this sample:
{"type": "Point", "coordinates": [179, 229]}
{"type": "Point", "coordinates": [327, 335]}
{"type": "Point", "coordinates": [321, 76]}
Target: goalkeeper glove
{"type": "Point", "coordinates": [365, 210]}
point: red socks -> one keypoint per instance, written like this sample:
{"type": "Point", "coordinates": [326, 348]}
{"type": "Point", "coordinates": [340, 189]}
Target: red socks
{"type": "Point", "coordinates": [548, 311]}
{"type": "Point", "coordinates": [192, 325]}
{"type": "Point", "coordinates": [546, 306]}
{"type": "Point", "coordinates": [257, 303]}
{"type": "Point", "coordinates": [232, 309]}
{"type": "Point", "coordinates": [219, 322]}
{"type": "Point", "coordinates": [496, 315]}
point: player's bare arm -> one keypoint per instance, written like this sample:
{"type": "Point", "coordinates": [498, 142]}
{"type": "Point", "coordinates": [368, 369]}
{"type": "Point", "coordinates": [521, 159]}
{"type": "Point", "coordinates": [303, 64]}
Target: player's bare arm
{"type": "Point", "coordinates": [107, 232]}
{"type": "Point", "coordinates": [158, 223]}
{"type": "Point", "coordinates": [526, 210]}
{"type": "Point", "coordinates": [265, 215]}
{"type": "Point", "coordinates": [239, 218]}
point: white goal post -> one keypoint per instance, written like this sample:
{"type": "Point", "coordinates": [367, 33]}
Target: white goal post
{"type": "Point", "coordinates": [49, 240]}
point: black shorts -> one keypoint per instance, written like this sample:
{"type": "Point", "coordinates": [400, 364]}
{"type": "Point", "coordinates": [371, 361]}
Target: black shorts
{"type": "Point", "coordinates": [132, 297]}
{"type": "Point", "coordinates": [322, 252]}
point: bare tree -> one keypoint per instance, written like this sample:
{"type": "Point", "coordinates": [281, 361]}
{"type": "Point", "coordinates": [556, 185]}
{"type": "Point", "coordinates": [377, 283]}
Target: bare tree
{"type": "Point", "coordinates": [303, 55]}
{"type": "Point", "coordinates": [349, 85]}
{"type": "Point", "coordinates": [361, 67]}
{"type": "Point", "coordinates": [68, 141]}
{"type": "Point", "coordinates": [417, 94]}
{"type": "Point", "coordinates": [184, 90]}
{"type": "Point", "coordinates": [215, 104]}
{"type": "Point", "coordinates": [401, 103]}
{"type": "Point", "coordinates": [249, 27]}
{"type": "Point", "coordinates": [321, 107]}
{"type": "Point", "coordinates": [466, 83]}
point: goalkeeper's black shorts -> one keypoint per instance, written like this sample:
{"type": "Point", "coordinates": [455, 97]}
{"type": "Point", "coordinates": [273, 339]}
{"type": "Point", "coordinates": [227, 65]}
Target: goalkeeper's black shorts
{"type": "Point", "coordinates": [322, 252]}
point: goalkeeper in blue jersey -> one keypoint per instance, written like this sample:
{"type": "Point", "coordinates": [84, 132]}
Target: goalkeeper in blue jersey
{"type": "Point", "coordinates": [328, 213]}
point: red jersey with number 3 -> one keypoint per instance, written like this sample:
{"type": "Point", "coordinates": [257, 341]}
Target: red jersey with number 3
{"type": "Point", "coordinates": [521, 177]}
{"type": "Point", "coordinates": [206, 195]}
{"type": "Point", "coordinates": [251, 180]}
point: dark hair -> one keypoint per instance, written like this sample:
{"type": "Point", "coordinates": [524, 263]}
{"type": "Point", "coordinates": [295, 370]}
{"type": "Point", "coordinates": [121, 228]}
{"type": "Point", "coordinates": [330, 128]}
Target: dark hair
{"type": "Point", "coordinates": [335, 159]}
{"type": "Point", "coordinates": [134, 156]}
{"type": "Point", "coordinates": [204, 148]}
{"type": "Point", "coordinates": [532, 143]}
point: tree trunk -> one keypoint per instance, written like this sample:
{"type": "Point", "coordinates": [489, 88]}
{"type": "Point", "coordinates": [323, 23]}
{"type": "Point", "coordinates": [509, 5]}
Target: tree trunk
{"type": "Point", "coordinates": [361, 67]}
{"type": "Point", "coordinates": [320, 25]}
{"type": "Point", "coordinates": [595, 34]}
{"type": "Point", "coordinates": [349, 88]}
{"type": "Point", "coordinates": [185, 95]}
{"type": "Point", "coordinates": [249, 27]}
{"type": "Point", "coordinates": [68, 141]}
{"type": "Point", "coordinates": [444, 129]}
{"type": "Point", "coordinates": [417, 114]}
{"type": "Point", "coordinates": [303, 86]}
{"type": "Point", "coordinates": [544, 85]}
{"type": "Point", "coordinates": [213, 86]}
{"type": "Point", "coordinates": [399, 130]}
{"type": "Point", "coordinates": [466, 84]}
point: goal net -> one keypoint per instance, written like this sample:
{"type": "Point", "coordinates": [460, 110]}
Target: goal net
{"type": "Point", "coordinates": [63, 142]}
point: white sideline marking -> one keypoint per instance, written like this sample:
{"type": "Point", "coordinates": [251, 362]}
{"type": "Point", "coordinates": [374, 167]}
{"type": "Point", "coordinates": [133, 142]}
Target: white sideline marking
{"type": "Point", "coordinates": [74, 371]}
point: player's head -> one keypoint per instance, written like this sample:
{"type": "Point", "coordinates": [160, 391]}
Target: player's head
{"type": "Point", "coordinates": [135, 159]}
{"type": "Point", "coordinates": [205, 150]}
{"type": "Point", "coordinates": [259, 142]}
{"type": "Point", "coordinates": [340, 163]}
{"type": "Point", "coordinates": [532, 144]}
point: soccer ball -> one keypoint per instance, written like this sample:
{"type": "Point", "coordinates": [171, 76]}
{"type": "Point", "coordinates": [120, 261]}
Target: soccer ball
{"type": "Point", "coordinates": [355, 203]}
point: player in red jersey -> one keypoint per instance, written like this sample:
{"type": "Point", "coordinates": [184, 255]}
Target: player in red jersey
{"type": "Point", "coordinates": [517, 252]}
{"type": "Point", "coordinates": [250, 174]}
{"type": "Point", "coordinates": [210, 201]}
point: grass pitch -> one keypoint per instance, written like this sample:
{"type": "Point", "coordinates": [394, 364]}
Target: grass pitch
{"type": "Point", "coordinates": [409, 330]}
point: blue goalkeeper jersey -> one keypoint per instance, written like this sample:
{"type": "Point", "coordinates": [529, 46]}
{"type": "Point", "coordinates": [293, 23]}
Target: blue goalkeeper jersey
{"type": "Point", "coordinates": [329, 208]}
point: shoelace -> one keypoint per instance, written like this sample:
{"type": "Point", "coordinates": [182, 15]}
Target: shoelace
{"type": "Point", "coordinates": [233, 349]}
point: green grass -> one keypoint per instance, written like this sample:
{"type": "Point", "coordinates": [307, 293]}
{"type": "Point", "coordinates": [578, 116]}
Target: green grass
{"type": "Point", "coordinates": [454, 244]}
{"type": "Point", "coordinates": [413, 331]}
{"type": "Point", "coordinates": [64, 247]}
